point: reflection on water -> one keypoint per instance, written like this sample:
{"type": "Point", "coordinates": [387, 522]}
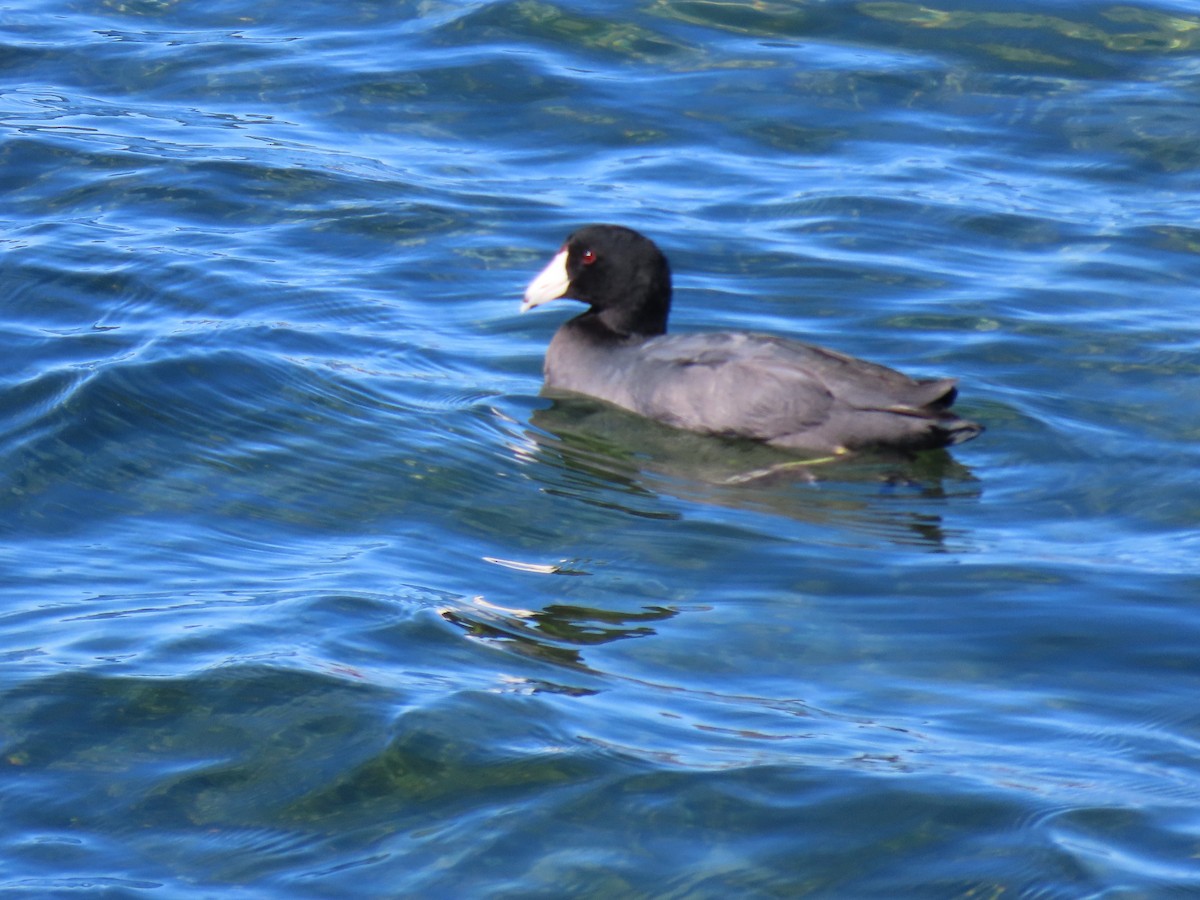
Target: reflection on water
{"type": "Point", "coordinates": [307, 593]}
{"type": "Point", "coordinates": [557, 632]}
{"type": "Point", "coordinates": [642, 458]}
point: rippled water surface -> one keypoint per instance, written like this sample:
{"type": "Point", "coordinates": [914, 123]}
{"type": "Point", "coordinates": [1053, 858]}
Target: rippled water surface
{"type": "Point", "coordinates": [308, 593]}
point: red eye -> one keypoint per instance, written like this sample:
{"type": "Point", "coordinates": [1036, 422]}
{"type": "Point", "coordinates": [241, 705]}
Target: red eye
{"type": "Point", "coordinates": [587, 257]}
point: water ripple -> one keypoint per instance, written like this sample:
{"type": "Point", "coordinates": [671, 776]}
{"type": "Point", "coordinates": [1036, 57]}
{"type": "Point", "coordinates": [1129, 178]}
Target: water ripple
{"type": "Point", "coordinates": [309, 592]}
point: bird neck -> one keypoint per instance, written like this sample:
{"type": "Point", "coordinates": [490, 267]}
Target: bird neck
{"type": "Point", "coordinates": [622, 323]}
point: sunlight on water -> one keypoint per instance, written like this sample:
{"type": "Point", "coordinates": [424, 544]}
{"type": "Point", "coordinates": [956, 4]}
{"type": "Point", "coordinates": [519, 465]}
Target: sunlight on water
{"type": "Point", "coordinates": [310, 592]}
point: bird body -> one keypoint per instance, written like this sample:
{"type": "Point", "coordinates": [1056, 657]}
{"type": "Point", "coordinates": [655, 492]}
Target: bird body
{"type": "Point", "coordinates": [735, 384]}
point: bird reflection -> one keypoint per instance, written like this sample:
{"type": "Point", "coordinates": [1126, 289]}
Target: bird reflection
{"type": "Point", "coordinates": [558, 632]}
{"type": "Point", "coordinates": [636, 460]}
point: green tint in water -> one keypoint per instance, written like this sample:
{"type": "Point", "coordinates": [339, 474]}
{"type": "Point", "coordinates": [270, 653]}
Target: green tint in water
{"type": "Point", "coordinates": [309, 593]}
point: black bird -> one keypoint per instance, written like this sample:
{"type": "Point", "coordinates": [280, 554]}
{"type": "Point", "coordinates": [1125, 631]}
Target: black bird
{"type": "Point", "coordinates": [736, 384]}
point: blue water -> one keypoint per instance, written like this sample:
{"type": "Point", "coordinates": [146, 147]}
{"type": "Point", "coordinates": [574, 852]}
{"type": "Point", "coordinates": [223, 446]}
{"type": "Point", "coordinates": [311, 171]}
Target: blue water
{"type": "Point", "coordinates": [308, 593]}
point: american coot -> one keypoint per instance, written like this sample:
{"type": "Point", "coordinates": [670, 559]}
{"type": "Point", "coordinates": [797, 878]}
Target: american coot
{"type": "Point", "coordinates": [736, 384]}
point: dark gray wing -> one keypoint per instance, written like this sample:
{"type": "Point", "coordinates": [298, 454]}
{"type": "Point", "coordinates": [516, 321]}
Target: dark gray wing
{"type": "Point", "coordinates": [763, 387]}
{"type": "Point", "coordinates": [728, 384]}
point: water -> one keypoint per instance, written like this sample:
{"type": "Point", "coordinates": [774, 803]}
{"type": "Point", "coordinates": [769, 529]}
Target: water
{"type": "Point", "coordinates": [308, 593]}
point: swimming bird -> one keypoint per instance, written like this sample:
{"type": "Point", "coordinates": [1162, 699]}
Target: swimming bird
{"type": "Point", "coordinates": [735, 384]}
